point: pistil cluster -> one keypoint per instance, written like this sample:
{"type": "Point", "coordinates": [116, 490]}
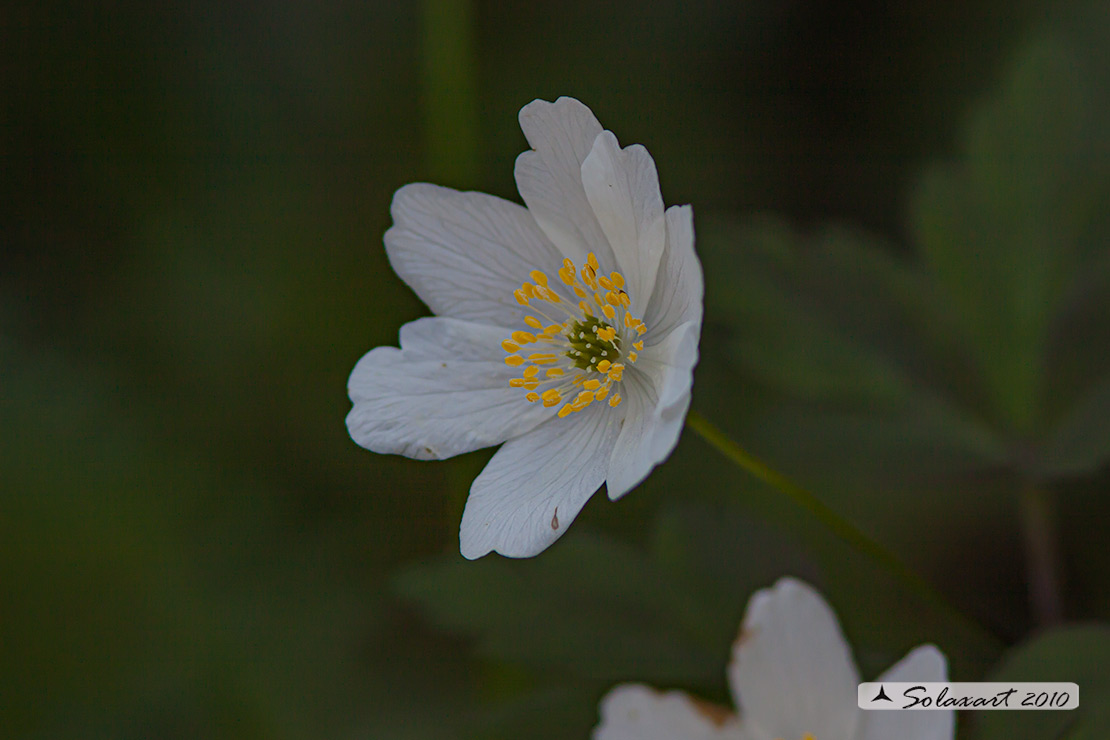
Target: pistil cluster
{"type": "Point", "coordinates": [581, 355]}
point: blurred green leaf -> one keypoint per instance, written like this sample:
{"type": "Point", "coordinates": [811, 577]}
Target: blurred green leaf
{"type": "Point", "coordinates": [1079, 654]}
{"type": "Point", "coordinates": [1080, 443]}
{"type": "Point", "coordinates": [1003, 229]}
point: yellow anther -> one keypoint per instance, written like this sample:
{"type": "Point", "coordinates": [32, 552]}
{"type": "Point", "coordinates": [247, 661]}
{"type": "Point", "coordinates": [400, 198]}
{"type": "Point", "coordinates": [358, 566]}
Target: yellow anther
{"type": "Point", "coordinates": [615, 400]}
{"type": "Point", "coordinates": [640, 328]}
{"type": "Point", "coordinates": [628, 319]}
{"type": "Point", "coordinates": [566, 277]}
{"type": "Point", "coordinates": [552, 393]}
{"type": "Point", "coordinates": [516, 382]}
{"type": "Point", "coordinates": [606, 333]}
{"type": "Point", "coordinates": [568, 265]}
{"type": "Point", "coordinates": [532, 396]}
{"type": "Point", "coordinates": [603, 392]}
{"type": "Point", "coordinates": [541, 358]}
{"type": "Point", "coordinates": [529, 290]}
{"type": "Point", "coordinates": [588, 276]}
{"type": "Point", "coordinates": [632, 356]}
{"type": "Point", "coordinates": [510, 346]}
{"type": "Point", "coordinates": [618, 280]}
{"type": "Point", "coordinates": [612, 299]}
{"type": "Point", "coordinates": [520, 297]}
{"type": "Point", "coordinates": [639, 345]}
{"type": "Point", "coordinates": [514, 360]}
{"type": "Point", "coordinates": [624, 299]}
{"type": "Point", "coordinates": [533, 322]}
{"type": "Point", "coordinates": [553, 329]}
{"type": "Point", "coordinates": [565, 411]}
{"type": "Point", "coordinates": [603, 366]}
{"type": "Point", "coordinates": [555, 372]}
{"type": "Point", "coordinates": [544, 337]}
{"type": "Point", "coordinates": [552, 402]}
{"type": "Point", "coordinates": [523, 337]}
{"type": "Point", "coordinates": [578, 379]}
{"type": "Point", "coordinates": [597, 299]}
{"type": "Point", "coordinates": [605, 282]}
{"type": "Point", "coordinates": [592, 385]}
{"type": "Point", "coordinates": [591, 260]}
{"type": "Point", "coordinates": [608, 311]}
{"type": "Point", "coordinates": [616, 372]}
{"type": "Point", "coordinates": [579, 292]}
{"type": "Point", "coordinates": [585, 308]}
{"type": "Point", "coordinates": [547, 294]}
{"type": "Point", "coordinates": [538, 276]}
{"type": "Point", "coordinates": [530, 371]}
{"type": "Point", "coordinates": [531, 384]}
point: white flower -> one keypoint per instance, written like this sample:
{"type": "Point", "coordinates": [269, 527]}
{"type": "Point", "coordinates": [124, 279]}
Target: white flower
{"type": "Point", "coordinates": [792, 678]}
{"type": "Point", "coordinates": [567, 330]}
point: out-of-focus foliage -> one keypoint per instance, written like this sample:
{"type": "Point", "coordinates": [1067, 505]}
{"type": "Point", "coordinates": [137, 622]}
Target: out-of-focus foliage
{"type": "Point", "coordinates": [191, 262]}
{"type": "Point", "coordinates": [1077, 654]}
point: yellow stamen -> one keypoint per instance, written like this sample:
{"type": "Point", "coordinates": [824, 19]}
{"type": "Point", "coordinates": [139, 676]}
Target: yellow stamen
{"type": "Point", "coordinates": [591, 260]}
{"type": "Point", "coordinates": [538, 276]}
{"type": "Point", "coordinates": [628, 319]}
{"type": "Point", "coordinates": [585, 308]}
{"type": "Point", "coordinates": [520, 297]}
{"type": "Point", "coordinates": [532, 397]}
{"type": "Point", "coordinates": [533, 322]}
{"type": "Point", "coordinates": [624, 299]}
{"type": "Point", "coordinates": [605, 282]}
{"type": "Point", "coordinates": [588, 276]}
{"type": "Point", "coordinates": [579, 292]}
{"type": "Point", "coordinates": [552, 393]}
{"type": "Point", "coordinates": [566, 276]}
{"type": "Point", "coordinates": [612, 299]}
{"type": "Point", "coordinates": [639, 345]}
{"type": "Point", "coordinates": [565, 411]}
{"type": "Point", "coordinates": [553, 329]}
{"type": "Point", "coordinates": [618, 280]}
{"type": "Point", "coordinates": [615, 400]}
{"type": "Point", "coordinates": [631, 356]}
{"type": "Point", "coordinates": [530, 371]}
{"type": "Point", "coordinates": [510, 346]}
{"type": "Point", "coordinates": [523, 337]}
{"type": "Point", "coordinates": [541, 359]}
{"type": "Point", "coordinates": [603, 366]}
{"type": "Point", "coordinates": [607, 333]}
{"type": "Point", "coordinates": [608, 311]}
{"type": "Point", "coordinates": [603, 392]}
{"type": "Point", "coordinates": [516, 382]}
{"type": "Point", "coordinates": [555, 372]}
{"type": "Point", "coordinates": [529, 290]}
{"type": "Point", "coordinates": [592, 385]}
{"type": "Point", "coordinates": [514, 360]}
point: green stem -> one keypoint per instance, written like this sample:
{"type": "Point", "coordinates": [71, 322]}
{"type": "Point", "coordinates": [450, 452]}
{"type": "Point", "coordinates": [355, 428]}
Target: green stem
{"type": "Point", "coordinates": [840, 526]}
{"type": "Point", "coordinates": [1038, 518]}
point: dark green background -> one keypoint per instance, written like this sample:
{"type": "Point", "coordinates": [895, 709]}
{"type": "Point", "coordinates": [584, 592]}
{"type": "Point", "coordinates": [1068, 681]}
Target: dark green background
{"type": "Point", "coordinates": [191, 210]}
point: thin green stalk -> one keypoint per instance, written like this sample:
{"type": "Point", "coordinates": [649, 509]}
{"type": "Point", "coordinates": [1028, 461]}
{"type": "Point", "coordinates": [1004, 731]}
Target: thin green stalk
{"type": "Point", "coordinates": [839, 526]}
{"type": "Point", "coordinates": [449, 92]}
{"type": "Point", "coordinates": [1038, 518]}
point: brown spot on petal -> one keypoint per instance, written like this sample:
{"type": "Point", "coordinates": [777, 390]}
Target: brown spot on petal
{"type": "Point", "coordinates": [715, 713]}
{"type": "Point", "coordinates": [555, 519]}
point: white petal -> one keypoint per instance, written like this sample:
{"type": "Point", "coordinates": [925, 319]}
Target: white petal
{"type": "Point", "coordinates": [444, 392]}
{"type": "Point", "coordinates": [550, 178]}
{"type": "Point", "coordinates": [658, 396]}
{"type": "Point", "coordinates": [623, 190]}
{"type": "Point", "coordinates": [465, 253]}
{"type": "Point", "coordinates": [924, 663]}
{"type": "Point", "coordinates": [635, 712]}
{"type": "Point", "coordinates": [677, 298]}
{"type": "Point", "coordinates": [536, 484]}
{"type": "Point", "coordinates": [791, 670]}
